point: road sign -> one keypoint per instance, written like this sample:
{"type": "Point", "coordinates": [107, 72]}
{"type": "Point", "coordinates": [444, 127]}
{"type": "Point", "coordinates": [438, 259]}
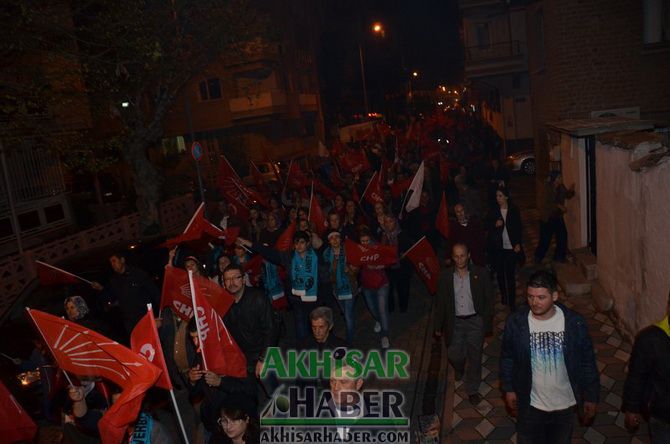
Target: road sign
{"type": "Point", "coordinates": [196, 151]}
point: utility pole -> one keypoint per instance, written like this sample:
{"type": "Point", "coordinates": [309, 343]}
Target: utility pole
{"type": "Point", "coordinates": [10, 199]}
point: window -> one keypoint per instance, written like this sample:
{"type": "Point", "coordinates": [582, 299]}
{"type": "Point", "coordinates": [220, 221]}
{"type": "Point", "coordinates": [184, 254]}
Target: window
{"type": "Point", "coordinates": [656, 22]}
{"type": "Point", "coordinates": [539, 32]}
{"type": "Point", "coordinates": [483, 36]}
{"type": "Point", "coordinates": [210, 89]}
{"type": "Point", "coordinates": [54, 213]}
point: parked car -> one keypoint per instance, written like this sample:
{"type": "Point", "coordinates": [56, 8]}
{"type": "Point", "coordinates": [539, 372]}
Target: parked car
{"type": "Point", "coordinates": [523, 161]}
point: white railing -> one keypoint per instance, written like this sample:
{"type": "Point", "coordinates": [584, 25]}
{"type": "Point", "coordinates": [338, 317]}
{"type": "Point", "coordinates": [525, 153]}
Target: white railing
{"type": "Point", "coordinates": [18, 271]}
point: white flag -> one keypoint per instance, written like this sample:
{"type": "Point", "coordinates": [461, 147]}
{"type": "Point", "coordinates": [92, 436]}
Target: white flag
{"type": "Point", "coordinates": [415, 189]}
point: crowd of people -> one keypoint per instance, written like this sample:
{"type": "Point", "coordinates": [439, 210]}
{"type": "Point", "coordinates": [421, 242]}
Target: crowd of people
{"type": "Point", "coordinates": [312, 283]}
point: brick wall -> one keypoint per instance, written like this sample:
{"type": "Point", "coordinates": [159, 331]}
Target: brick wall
{"type": "Point", "coordinates": [595, 60]}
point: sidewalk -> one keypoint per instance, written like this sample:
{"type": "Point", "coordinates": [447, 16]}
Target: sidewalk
{"type": "Point", "coordinates": [489, 421]}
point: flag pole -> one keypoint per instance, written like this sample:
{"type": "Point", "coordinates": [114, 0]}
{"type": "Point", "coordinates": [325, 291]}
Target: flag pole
{"type": "Point", "coordinates": [190, 222]}
{"type": "Point", "coordinates": [65, 272]}
{"type": "Point", "coordinates": [197, 323]}
{"type": "Point", "coordinates": [366, 187]}
{"type": "Point", "coordinates": [47, 343]}
{"type": "Point", "coordinates": [311, 196]}
{"type": "Point", "coordinates": [410, 248]}
{"type": "Point", "coordinates": [174, 400]}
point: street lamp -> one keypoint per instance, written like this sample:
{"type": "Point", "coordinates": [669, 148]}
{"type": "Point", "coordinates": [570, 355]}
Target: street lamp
{"type": "Point", "coordinates": [377, 28]}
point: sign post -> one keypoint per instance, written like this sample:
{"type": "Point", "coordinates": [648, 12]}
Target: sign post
{"type": "Point", "coordinates": [196, 153]}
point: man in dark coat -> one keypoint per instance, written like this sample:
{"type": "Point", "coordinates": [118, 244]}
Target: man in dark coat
{"type": "Point", "coordinates": [464, 315]}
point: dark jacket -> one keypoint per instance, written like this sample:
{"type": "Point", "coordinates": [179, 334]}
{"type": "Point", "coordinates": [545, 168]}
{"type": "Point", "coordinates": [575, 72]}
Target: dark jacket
{"type": "Point", "coordinates": [166, 333]}
{"type": "Point", "coordinates": [580, 359]}
{"type": "Point", "coordinates": [482, 297]}
{"type": "Point", "coordinates": [471, 235]}
{"type": "Point", "coordinates": [648, 381]}
{"type": "Point", "coordinates": [513, 224]}
{"type": "Point", "coordinates": [251, 323]}
{"type": "Point", "coordinates": [132, 291]}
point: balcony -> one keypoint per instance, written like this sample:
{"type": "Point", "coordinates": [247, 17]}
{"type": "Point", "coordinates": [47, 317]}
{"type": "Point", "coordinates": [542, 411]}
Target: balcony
{"type": "Point", "coordinates": [494, 59]}
{"type": "Point", "coordinates": [261, 104]}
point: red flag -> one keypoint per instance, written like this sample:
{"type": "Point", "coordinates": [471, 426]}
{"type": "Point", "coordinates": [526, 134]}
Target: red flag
{"type": "Point", "coordinates": [50, 275]}
{"type": "Point", "coordinates": [199, 229]}
{"type": "Point", "coordinates": [376, 254]}
{"type": "Point", "coordinates": [285, 240]}
{"type": "Point", "coordinates": [258, 176]}
{"type": "Point", "coordinates": [253, 268]}
{"type": "Point", "coordinates": [15, 424]}
{"type": "Point", "coordinates": [144, 340]}
{"type": "Point", "coordinates": [442, 220]}
{"type": "Point", "coordinates": [295, 178]}
{"type": "Point", "coordinates": [326, 192]}
{"type": "Point", "coordinates": [335, 177]}
{"type": "Point", "coordinates": [425, 263]}
{"type": "Point", "coordinates": [239, 196]}
{"type": "Point", "coordinates": [316, 215]}
{"type": "Point", "coordinates": [373, 192]}
{"type": "Point", "coordinates": [399, 187]}
{"type": "Point", "coordinates": [81, 351]}
{"type": "Point", "coordinates": [355, 161]}
{"type": "Point", "coordinates": [219, 351]}
{"type": "Point", "coordinates": [176, 293]}
{"type": "Point", "coordinates": [444, 171]}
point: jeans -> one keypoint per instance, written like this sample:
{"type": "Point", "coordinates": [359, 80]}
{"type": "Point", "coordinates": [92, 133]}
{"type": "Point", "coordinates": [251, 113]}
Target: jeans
{"type": "Point", "coordinates": [377, 300]}
{"type": "Point", "coordinates": [347, 306]}
{"type": "Point", "coordinates": [554, 226]}
{"type": "Point", "coordinates": [659, 431]}
{"type": "Point", "coordinates": [534, 426]}
{"type": "Point", "coordinates": [505, 267]}
{"type": "Point", "coordinates": [467, 343]}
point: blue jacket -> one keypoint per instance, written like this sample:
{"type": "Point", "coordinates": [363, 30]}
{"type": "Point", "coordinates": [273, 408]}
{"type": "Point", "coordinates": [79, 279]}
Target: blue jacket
{"type": "Point", "coordinates": [580, 359]}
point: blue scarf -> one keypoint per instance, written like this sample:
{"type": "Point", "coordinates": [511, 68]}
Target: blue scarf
{"type": "Point", "coordinates": [142, 432]}
{"type": "Point", "coordinates": [273, 285]}
{"type": "Point", "coordinates": [304, 274]}
{"type": "Point", "coordinates": [342, 287]}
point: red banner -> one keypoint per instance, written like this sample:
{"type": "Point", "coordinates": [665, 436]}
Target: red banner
{"type": "Point", "coordinates": [355, 161]}
{"type": "Point", "coordinates": [425, 263]}
{"type": "Point", "coordinates": [144, 340]}
{"type": "Point", "coordinates": [176, 293]}
{"type": "Point", "coordinates": [50, 275]}
{"type": "Point", "coordinates": [295, 177]}
{"type": "Point", "coordinates": [285, 240]}
{"type": "Point", "coordinates": [374, 191]}
{"type": "Point", "coordinates": [316, 216]}
{"type": "Point", "coordinates": [442, 220]}
{"type": "Point", "coordinates": [376, 254]}
{"type": "Point", "coordinates": [253, 268]}
{"type": "Point", "coordinates": [200, 228]}
{"type": "Point", "coordinates": [220, 352]}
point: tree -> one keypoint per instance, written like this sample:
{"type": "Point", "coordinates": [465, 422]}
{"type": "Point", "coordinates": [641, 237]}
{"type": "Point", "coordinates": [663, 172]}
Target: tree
{"type": "Point", "coordinates": [135, 57]}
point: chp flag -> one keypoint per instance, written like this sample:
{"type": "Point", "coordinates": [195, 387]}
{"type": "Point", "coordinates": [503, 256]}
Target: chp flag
{"type": "Point", "coordinates": [176, 293]}
{"type": "Point", "coordinates": [144, 341]}
{"type": "Point", "coordinates": [220, 353]}
{"type": "Point", "coordinates": [376, 254]}
{"type": "Point", "coordinates": [82, 351]}
{"type": "Point", "coordinates": [425, 262]}
{"type": "Point", "coordinates": [316, 216]}
{"type": "Point", "coordinates": [50, 275]}
{"type": "Point", "coordinates": [15, 424]}
{"type": "Point", "coordinates": [373, 192]}
{"type": "Point", "coordinates": [442, 220]}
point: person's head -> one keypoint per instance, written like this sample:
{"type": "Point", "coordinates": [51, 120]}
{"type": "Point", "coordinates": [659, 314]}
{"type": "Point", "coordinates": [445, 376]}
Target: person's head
{"type": "Point", "coordinates": [193, 332]}
{"type": "Point", "coordinates": [253, 213]}
{"type": "Point", "coordinates": [339, 201]}
{"type": "Point", "coordinates": [303, 225]}
{"type": "Point", "coordinates": [541, 293]}
{"type": "Point", "coordinates": [301, 241]}
{"type": "Point", "coordinates": [302, 213]}
{"type": "Point", "coordinates": [379, 209]}
{"type": "Point", "coordinates": [274, 203]}
{"type": "Point", "coordinates": [76, 308]}
{"type": "Point", "coordinates": [390, 222]}
{"type": "Point", "coordinates": [222, 263]}
{"type": "Point", "coordinates": [117, 261]}
{"type": "Point", "coordinates": [495, 163]}
{"type": "Point", "coordinates": [461, 215]}
{"type": "Point", "coordinates": [334, 238]}
{"type": "Point", "coordinates": [460, 254]}
{"type": "Point", "coordinates": [237, 423]}
{"type": "Point", "coordinates": [343, 385]}
{"type": "Point", "coordinates": [334, 220]}
{"type": "Point", "coordinates": [292, 214]}
{"type": "Point", "coordinates": [191, 263]}
{"type": "Point", "coordinates": [239, 251]}
{"type": "Point", "coordinates": [233, 279]}
{"type": "Point", "coordinates": [424, 199]}
{"type": "Point", "coordinates": [502, 197]}
{"type": "Point", "coordinates": [271, 222]}
{"type": "Point", "coordinates": [321, 320]}
{"type": "Point", "coordinates": [364, 237]}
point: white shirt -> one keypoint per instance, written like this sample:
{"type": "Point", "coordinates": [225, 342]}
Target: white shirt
{"type": "Point", "coordinates": [507, 244]}
{"type": "Point", "coordinates": [551, 389]}
{"type": "Point", "coordinates": [463, 295]}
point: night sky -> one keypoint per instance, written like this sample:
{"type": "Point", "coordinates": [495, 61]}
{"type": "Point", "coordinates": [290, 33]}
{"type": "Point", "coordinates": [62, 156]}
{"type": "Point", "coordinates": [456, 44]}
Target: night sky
{"type": "Point", "coordinates": [420, 35]}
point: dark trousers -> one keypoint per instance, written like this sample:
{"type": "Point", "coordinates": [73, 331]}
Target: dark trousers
{"type": "Point", "coordinates": [534, 426]}
{"type": "Point", "coordinates": [301, 311]}
{"type": "Point", "coordinates": [467, 343]}
{"type": "Point", "coordinates": [555, 226]}
{"type": "Point", "coordinates": [399, 278]}
{"type": "Point", "coordinates": [505, 267]}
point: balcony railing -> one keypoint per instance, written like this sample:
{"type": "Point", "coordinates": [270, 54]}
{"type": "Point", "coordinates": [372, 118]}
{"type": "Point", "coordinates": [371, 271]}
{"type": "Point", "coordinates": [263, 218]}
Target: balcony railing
{"type": "Point", "coordinates": [502, 50]}
{"type": "Point", "coordinates": [34, 174]}
{"type": "Point", "coordinates": [258, 104]}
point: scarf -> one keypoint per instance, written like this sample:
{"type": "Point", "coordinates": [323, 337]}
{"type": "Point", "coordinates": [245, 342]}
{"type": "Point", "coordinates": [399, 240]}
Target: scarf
{"type": "Point", "coordinates": [664, 325]}
{"type": "Point", "coordinates": [142, 432]}
{"type": "Point", "coordinates": [342, 288]}
{"type": "Point", "coordinates": [304, 275]}
{"type": "Point", "coordinates": [273, 285]}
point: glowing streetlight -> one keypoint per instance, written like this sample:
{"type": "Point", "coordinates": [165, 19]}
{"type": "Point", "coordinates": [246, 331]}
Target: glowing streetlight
{"type": "Point", "coordinates": [377, 27]}
{"type": "Point", "coordinates": [415, 74]}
